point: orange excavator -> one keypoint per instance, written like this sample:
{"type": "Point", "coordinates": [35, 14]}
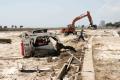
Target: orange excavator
{"type": "Point", "coordinates": [71, 27]}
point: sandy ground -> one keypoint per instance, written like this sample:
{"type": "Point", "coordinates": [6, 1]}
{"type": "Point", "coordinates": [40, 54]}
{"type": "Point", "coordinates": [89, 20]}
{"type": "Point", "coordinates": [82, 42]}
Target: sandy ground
{"type": "Point", "coordinates": [11, 59]}
{"type": "Point", "coordinates": [106, 53]}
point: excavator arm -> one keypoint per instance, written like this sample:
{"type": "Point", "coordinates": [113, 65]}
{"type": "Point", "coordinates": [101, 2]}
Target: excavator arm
{"type": "Point", "coordinates": [90, 18]}
{"type": "Point", "coordinates": [82, 16]}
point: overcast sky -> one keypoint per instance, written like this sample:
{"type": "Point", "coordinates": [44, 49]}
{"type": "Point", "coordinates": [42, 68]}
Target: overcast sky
{"type": "Point", "coordinates": [56, 13]}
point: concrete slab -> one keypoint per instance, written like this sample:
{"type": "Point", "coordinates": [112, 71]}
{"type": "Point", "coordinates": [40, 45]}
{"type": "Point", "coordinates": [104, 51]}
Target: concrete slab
{"type": "Point", "coordinates": [88, 69]}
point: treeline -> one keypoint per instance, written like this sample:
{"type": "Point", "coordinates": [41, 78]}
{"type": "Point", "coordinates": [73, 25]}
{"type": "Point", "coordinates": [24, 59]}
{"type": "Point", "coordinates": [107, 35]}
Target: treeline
{"type": "Point", "coordinates": [12, 26]}
{"type": "Point", "coordinates": [115, 24]}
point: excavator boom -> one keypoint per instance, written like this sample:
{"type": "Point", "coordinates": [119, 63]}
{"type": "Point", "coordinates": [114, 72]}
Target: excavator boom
{"type": "Point", "coordinates": [82, 16]}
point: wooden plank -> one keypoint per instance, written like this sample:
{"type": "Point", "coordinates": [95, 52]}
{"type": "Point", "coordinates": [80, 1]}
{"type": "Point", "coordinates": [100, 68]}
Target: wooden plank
{"type": "Point", "coordinates": [69, 61]}
{"type": "Point", "coordinates": [62, 72]}
{"type": "Point", "coordinates": [64, 69]}
{"type": "Point", "coordinates": [76, 75]}
{"type": "Point", "coordinates": [5, 41]}
{"type": "Point", "coordinates": [73, 56]}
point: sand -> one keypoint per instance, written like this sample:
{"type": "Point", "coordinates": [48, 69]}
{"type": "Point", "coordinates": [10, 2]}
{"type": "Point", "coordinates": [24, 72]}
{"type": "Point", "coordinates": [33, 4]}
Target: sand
{"type": "Point", "coordinates": [106, 54]}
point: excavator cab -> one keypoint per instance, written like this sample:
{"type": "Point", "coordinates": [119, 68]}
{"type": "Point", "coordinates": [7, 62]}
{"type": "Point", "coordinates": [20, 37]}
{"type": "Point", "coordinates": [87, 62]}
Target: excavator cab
{"type": "Point", "coordinates": [70, 29]}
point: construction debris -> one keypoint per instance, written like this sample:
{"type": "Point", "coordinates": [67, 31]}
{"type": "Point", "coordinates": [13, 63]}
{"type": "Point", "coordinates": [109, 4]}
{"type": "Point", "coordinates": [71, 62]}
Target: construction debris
{"type": "Point", "coordinates": [5, 41]}
{"type": "Point", "coordinates": [40, 44]}
{"type": "Point", "coordinates": [31, 69]}
{"type": "Point", "coordinates": [103, 47]}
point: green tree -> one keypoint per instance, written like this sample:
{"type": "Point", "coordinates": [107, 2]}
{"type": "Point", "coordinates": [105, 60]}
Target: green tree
{"type": "Point", "coordinates": [109, 24]}
{"type": "Point", "coordinates": [117, 24]}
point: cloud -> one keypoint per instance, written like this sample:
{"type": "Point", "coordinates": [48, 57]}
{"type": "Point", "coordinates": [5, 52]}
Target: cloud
{"type": "Point", "coordinates": [110, 11]}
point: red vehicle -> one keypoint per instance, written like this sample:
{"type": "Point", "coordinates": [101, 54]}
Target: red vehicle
{"type": "Point", "coordinates": [71, 27]}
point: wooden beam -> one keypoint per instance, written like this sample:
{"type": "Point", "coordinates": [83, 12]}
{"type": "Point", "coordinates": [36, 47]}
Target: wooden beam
{"type": "Point", "coordinates": [5, 41]}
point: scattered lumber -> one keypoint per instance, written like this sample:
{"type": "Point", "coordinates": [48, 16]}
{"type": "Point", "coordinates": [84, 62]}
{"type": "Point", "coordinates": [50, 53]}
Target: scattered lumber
{"type": "Point", "coordinates": [73, 56]}
{"type": "Point", "coordinates": [64, 69]}
{"type": "Point", "coordinates": [77, 72]}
